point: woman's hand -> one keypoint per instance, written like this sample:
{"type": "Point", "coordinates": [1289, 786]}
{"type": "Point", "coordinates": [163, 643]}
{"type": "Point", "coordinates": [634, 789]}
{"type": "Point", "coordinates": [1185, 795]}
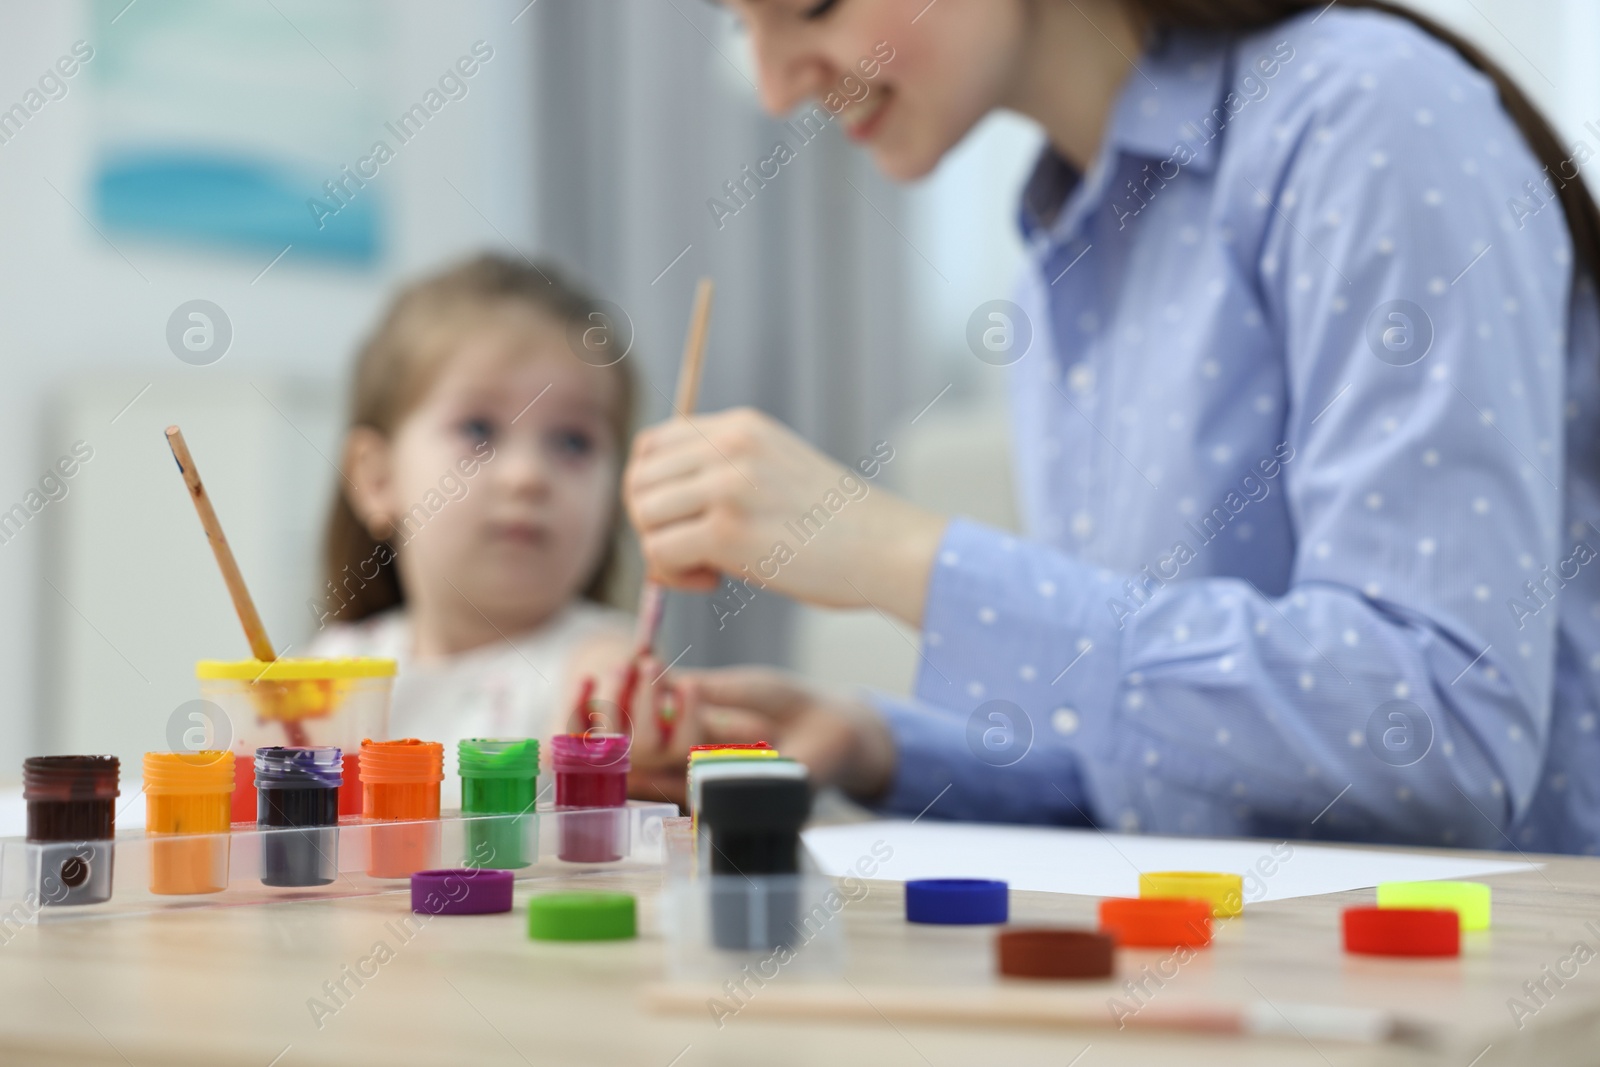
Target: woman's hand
{"type": "Point", "coordinates": [738, 493]}
{"type": "Point", "coordinates": [842, 741]}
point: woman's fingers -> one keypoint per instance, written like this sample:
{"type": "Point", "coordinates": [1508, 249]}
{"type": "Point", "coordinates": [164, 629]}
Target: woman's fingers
{"type": "Point", "coordinates": [659, 784]}
{"type": "Point", "coordinates": [663, 436]}
{"type": "Point", "coordinates": [763, 691]}
{"type": "Point", "coordinates": [665, 466]}
{"type": "Point", "coordinates": [736, 726]}
{"type": "Point", "coordinates": [744, 705]}
{"type": "Point", "coordinates": [677, 555]}
{"type": "Point", "coordinates": [820, 740]}
{"type": "Point", "coordinates": [672, 502]}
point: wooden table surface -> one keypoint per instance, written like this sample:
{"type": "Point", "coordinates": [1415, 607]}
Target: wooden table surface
{"type": "Point", "coordinates": [227, 986]}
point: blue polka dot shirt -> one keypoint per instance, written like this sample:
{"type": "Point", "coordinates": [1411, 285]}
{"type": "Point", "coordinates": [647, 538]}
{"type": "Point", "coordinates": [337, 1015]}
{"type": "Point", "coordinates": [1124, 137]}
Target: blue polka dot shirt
{"type": "Point", "coordinates": [1304, 397]}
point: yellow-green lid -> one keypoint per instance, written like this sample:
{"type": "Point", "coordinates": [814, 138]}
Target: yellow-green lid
{"type": "Point", "coordinates": [294, 670]}
{"type": "Point", "coordinates": [1469, 900]}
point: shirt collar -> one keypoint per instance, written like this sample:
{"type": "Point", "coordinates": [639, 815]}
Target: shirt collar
{"type": "Point", "coordinates": [1171, 105]}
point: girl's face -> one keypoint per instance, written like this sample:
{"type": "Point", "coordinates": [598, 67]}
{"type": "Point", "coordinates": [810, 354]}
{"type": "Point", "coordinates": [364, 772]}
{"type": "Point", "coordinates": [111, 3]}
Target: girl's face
{"type": "Point", "coordinates": [501, 484]}
{"type": "Point", "coordinates": [952, 61]}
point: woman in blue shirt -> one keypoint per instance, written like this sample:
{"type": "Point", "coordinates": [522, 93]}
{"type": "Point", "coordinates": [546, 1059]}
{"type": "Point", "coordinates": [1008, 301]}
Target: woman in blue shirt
{"type": "Point", "coordinates": [1304, 399]}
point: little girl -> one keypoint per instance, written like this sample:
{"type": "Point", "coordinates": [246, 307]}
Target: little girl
{"type": "Point", "coordinates": [475, 532]}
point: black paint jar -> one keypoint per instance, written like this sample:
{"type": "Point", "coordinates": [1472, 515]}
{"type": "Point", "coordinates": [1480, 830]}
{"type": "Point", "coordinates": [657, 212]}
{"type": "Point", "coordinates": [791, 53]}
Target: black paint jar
{"type": "Point", "coordinates": [297, 810]}
{"type": "Point", "coordinates": [72, 815]}
{"type": "Point", "coordinates": [754, 825]}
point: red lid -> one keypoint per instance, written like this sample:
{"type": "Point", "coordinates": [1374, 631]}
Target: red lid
{"type": "Point", "coordinates": [591, 751]}
{"type": "Point", "coordinates": [1041, 953]}
{"type": "Point", "coordinates": [1157, 922]}
{"type": "Point", "coordinates": [1373, 931]}
{"type": "Point", "coordinates": [724, 748]}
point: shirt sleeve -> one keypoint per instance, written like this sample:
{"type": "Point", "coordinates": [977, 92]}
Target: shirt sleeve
{"type": "Point", "coordinates": [1399, 689]}
{"type": "Point", "coordinates": [954, 766]}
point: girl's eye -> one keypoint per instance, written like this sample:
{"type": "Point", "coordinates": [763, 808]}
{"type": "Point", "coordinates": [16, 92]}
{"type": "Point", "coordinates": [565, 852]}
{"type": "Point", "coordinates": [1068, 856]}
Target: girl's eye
{"type": "Point", "coordinates": [574, 443]}
{"type": "Point", "coordinates": [818, 10]}
{"type": "Point", "coordinates": [477, 430]}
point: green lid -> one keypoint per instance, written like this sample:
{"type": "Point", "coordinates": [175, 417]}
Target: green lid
{"type": "Point", "coordinates": [581, 917]}
{"type": "Point", "coordinates": [498, 757]}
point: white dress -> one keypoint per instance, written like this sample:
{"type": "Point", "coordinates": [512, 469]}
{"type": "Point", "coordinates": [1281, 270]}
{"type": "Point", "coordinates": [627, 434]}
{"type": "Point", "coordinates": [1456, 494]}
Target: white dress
{"type": "Point", "coordinates": [510, 688]}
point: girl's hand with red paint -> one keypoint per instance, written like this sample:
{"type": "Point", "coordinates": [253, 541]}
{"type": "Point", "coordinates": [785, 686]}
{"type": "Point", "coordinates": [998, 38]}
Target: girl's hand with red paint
{"type": "Point", "coordinates": [657, 705]}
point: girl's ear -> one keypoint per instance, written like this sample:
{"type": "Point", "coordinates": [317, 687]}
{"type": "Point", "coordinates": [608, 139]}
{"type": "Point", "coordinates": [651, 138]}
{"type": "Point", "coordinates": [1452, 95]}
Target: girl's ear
{"type": "Point", "coordinates": [369, 479]}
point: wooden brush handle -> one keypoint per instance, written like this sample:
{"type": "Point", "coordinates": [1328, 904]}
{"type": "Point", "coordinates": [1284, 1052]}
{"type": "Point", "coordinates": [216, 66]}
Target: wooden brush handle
{"type": "Point", "coordinates": [694, 350]}
{"type": "Point", "coordinates": [652, 597]}
{"type": "Point", "coordinates": [254, 629]}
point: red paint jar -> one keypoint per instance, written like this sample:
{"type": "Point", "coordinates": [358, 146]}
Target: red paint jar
{"type": "Point", "coordinates": [591, 772]}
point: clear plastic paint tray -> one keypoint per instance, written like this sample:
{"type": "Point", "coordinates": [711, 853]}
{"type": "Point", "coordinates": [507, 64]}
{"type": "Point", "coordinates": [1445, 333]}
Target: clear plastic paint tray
{"type": "Point", "coordinates": [296, 702]}
{"type": "Point", "coordinates": [139, 873]}
{"type": "Point", "coordinates": [732, 927]}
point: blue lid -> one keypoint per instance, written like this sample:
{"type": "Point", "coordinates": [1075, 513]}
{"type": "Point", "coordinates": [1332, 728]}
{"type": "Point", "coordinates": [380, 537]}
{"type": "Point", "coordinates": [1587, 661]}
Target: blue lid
{"type": "Point", "coordinates": [298, 767]}
{"type": "Point", "coordinates": [956, 901]}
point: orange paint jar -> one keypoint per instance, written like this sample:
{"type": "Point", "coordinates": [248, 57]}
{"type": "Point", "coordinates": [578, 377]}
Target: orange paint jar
{"type": "Point", "coordinates": [187, 801]}
{"type": "Point", "coordinates": [400, 786]}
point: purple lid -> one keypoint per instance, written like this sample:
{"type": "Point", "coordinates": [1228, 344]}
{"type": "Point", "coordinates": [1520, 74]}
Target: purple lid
{"type": "Point", "coordinates": [590, 752]}
{"type": "Point", "coordinates": [461, 891]}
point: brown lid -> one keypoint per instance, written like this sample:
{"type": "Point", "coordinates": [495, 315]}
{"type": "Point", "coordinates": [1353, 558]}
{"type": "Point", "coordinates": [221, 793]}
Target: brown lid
{"type": "Point", "coordinates": [1047, 953]}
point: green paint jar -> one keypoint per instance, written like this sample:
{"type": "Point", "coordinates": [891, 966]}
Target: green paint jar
{"type": "Point", "coordinates": [500, 776]}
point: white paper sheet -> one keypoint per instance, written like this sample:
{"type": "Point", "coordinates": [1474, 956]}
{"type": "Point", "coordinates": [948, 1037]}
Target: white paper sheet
{"type": "Point", "coordinates": [1090, 863]}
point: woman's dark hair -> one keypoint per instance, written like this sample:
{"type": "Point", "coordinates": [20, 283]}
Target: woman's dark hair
{"type": "Point", "coordinates": [421, 329]}
{"type": "Point", "coordinates": [1583, 214]}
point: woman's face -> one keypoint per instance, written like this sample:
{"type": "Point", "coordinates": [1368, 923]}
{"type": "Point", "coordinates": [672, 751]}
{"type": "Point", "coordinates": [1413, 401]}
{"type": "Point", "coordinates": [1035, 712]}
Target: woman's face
{"type": "Point", "coordinates": [930, 70]}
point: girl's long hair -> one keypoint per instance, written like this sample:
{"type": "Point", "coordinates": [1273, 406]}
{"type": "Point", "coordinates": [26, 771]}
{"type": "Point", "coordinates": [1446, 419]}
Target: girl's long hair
{"type": "Point", "coordinates": [394, 371]}
{"type": "Point", "coordinates": [1582, 213]}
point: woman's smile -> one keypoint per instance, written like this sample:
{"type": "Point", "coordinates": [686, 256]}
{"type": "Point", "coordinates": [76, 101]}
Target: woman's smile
{"type": "Point", "coordinates": [863, 119]}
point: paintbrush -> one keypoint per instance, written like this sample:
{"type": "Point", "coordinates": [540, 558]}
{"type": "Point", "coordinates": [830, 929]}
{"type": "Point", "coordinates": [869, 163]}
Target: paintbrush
{"type": "Point", "coordinates": [287, 702]}
{"type": "Point", "coordinates": [1012, 1005]}
{"type": "Point", "coordinates": [652, 597]}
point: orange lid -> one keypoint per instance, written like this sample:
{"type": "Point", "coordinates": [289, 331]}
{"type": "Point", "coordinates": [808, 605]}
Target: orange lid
{"type": "Point", "coordinates": [406, 760]}
{"type": "Point", "coordinates": [1157, 922]}
{"type": "Point", "coordinates": [170, 773]}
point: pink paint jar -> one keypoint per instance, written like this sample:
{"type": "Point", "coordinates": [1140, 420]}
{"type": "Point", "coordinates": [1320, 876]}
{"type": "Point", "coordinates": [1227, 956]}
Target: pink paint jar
{"type": "Point", "coordinates": [591, 773]}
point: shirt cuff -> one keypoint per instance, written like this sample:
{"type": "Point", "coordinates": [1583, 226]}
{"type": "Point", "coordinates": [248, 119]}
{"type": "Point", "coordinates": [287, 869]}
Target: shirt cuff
{"type": "Point", "coordinates": [938, 774]}
{"type": "Point", "coordinates": [1016, 630]}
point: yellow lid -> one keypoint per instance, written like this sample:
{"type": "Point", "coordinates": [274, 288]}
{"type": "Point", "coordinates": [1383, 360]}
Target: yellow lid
{"type": "Point", "coordinates": [733, 753]}
{"type": "Point", "coordinates": [1224, 892]}
{"type": "Point", "coordinates": [294, 670]}
{"type": "Point", "coordinates": [1469, 900]}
